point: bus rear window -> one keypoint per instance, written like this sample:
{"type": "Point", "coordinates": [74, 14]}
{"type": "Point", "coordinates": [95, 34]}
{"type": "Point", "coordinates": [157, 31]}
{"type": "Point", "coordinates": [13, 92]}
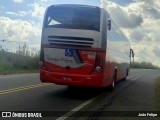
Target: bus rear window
{"type": "Point", "coordinates": [87, 18]}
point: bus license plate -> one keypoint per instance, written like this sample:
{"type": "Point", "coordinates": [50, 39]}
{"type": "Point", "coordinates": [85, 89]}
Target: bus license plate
{"type": "Point", "coordinates": [67, 78]}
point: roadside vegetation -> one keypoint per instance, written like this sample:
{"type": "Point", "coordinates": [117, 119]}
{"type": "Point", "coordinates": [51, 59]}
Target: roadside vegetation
{"type": "Point", "coordinates": [143, 65]}
{"type": "Point", "coordinates": [22, 61]}
{"type": "Point", "coordinates": [157, 91]}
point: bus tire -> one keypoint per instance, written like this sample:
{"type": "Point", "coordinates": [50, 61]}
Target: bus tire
{"type": "Point", "coordinates": [125, 78]}
{"type": "Point", "coordinates": [112, 86]}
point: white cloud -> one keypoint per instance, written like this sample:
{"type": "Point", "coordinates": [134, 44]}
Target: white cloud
{"type": "Point", "coordinates": [140, 22]}
{"type": "Point", "coordinates": [18, 30]}
{"type": "Point", "coordinates": [12, 13]}
{"type": "Point", "coordinates": [19, 13]}
{"type": "Point", "coordinates": [38, 10]}
{"type": "Point", "coordinates": [124, 16]}
{"type": "Point", "coordinates": [149, 9]}
{"type": "Point", "coordinates": [45, 0]}
{"type": "Point", "coordinates": [18, 1]}
{"type": "Point", "coordinates": [23, 13]}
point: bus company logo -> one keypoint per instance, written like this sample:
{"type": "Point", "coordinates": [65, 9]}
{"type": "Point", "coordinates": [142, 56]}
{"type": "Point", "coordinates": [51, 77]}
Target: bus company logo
{"type": "Point", "coordinates": [6, 114]}
{"type": "Point", "coordinates": [69, 52]}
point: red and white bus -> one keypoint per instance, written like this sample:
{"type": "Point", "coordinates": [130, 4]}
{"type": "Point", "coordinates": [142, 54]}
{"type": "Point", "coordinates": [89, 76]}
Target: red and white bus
{"type": "Point", "coordinates": [81, 46]}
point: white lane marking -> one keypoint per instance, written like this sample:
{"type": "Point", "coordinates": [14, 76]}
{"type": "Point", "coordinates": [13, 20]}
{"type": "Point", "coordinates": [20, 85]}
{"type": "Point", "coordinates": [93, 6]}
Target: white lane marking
{"type": "Point", "coordinates": [86, 103]}
{"type": "Point", "coordinates": [78, 108]}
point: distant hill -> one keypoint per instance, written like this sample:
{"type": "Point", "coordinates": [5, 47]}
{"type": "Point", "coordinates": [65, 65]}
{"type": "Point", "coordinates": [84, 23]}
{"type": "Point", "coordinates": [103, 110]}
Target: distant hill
{"type": "Point", "coordinates": [144, 65]}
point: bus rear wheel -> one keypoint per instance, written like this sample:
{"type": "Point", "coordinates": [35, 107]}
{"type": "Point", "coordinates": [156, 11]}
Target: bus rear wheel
{"type": "Point", "coordinates": [112, 86]}
{"type": "Point", "coordinates": [125, 78]}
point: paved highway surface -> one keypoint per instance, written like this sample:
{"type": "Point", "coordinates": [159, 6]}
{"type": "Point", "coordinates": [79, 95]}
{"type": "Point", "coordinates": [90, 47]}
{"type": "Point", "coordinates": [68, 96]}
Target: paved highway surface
{"type": "Point", "coordinates": [25, 92]}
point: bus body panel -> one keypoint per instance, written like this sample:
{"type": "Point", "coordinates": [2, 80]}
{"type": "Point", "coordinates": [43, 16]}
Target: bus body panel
{"type": "Point", "coordinates": [58, 57]}
{"type": "Point", "coordinates": [94, 80]}
{"type": "Point", "coordinates": [49, 35]}
{"type": "Point", "coordinates": [83, 57]}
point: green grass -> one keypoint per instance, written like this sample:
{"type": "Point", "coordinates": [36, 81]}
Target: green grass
{"type": "Point", "coordinates": [157, 91]}
{"type": "Point", "coordinates": [22, 61]}
{"type": "Point", "coordinates": [17, 71]}
{"type": "Point", "coordinates": [9, 68]}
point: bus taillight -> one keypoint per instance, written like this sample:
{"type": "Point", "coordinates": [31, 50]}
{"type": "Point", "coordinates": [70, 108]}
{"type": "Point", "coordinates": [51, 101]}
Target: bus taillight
{"type": "Point", "coordinates": [98, 66]}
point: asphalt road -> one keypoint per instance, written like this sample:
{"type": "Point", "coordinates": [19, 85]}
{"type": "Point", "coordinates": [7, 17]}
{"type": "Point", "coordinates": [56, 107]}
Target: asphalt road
{"type": "Point", "coordinates": [25, 92]}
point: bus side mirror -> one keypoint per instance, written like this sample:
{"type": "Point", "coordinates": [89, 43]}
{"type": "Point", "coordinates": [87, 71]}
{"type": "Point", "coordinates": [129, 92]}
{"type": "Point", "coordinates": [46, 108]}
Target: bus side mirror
{"type": "Point", "coordinates": [109, 24]}
{"type": "Point", "coordinates": [132, 53]}
{"type": "Point", "coordinates": [131, 56]}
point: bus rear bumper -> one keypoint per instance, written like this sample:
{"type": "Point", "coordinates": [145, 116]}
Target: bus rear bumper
{"type": "Point", "coordinates": [95, 80]}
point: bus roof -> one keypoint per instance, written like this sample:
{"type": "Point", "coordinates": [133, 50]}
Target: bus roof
{"type": "Point", "coordinates": [74, 5]}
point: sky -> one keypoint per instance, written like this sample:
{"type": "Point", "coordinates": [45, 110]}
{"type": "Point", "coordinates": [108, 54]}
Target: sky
{"type": "Point", "coordinates": [21, 21]}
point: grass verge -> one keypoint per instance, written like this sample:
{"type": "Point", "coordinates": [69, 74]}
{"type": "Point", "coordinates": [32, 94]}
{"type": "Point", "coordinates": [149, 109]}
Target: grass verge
{"type": "Point", "coordinates": [17, 71]}
{"type": "Point", "coordinates": [157, 91]}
